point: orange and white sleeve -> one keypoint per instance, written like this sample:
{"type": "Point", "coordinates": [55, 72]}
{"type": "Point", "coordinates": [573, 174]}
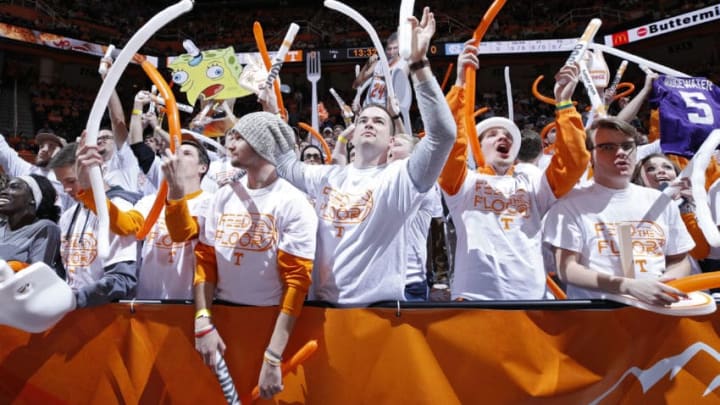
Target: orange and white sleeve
{"type": "Point", "coordinates": [122, 223]}
{"type": "Point", "coordinates": [181, 225]}
{"type": "Point", "coordinates": [205, 265]}
{"type": "Point", "coordinates": [571, 156]}
{"type": "Point", "coordinates": [455, 169]}
{"type": "Point", "coordinates": [295, 276]}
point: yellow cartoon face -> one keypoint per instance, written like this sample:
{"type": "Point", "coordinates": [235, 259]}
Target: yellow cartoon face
{"type": "Point", "coordinates": [213, 74]}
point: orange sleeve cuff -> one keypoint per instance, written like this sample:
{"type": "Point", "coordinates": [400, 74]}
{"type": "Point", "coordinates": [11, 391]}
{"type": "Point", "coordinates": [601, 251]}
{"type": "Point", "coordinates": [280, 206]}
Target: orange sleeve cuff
{"type": "Point", "coordinates": [180, 224]}
{"type": "Point", "coordinates": [455, 169]}
{"type": "Point", "coordinates": [122, 223]}
{"type": "Point", "coordinates": [17, 265]}
{"type": "Point", "coordinates": [702, 247]}
{"type": "Point", "coordinates": [571, 157]}
{"type": "Point", "coordinates": [205, 264]}
{"type": "Point", "coordinates": [295, 276]}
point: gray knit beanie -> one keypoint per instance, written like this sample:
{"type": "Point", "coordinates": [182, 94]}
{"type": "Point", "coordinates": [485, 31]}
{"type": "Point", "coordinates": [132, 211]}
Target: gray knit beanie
{"type": "Point", "coordinates": [264, 131]}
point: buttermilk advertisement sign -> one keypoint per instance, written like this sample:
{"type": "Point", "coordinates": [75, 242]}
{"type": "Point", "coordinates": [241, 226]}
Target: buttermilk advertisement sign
{"type": "Point", "coordinates": [682, 21]}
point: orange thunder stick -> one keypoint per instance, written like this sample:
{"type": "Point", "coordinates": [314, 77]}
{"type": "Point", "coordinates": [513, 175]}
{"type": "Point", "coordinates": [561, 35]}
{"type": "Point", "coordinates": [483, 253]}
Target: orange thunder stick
{"type": "Point", "coordinates": [262, 48]}
{"type": "Point", "coordinates": [554, 288]}
{"type": "Point", "coordinates": [447, 75]}
{"type": "Point", "coordinates": [315, 134]}
{"type": "Point", "coordinates": [696, 282]}
{"type": "Point", "coordinates": [175, 139]}
{"type": "Point", "coordinates": [470, 82]}
{"type": "Point", "coordinates": [297, 359]}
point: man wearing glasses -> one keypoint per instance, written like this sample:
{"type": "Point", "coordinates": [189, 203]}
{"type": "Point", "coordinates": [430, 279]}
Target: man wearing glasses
{"type": "Point", "coordinates": [583, 227]}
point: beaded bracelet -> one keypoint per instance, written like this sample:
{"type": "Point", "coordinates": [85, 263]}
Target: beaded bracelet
{"type": "Point", "coordinates": [269, 358]}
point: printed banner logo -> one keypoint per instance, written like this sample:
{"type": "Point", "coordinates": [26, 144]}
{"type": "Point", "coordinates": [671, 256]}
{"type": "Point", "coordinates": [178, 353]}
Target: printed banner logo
{"type": "Point", "coordinates": [620, 38]}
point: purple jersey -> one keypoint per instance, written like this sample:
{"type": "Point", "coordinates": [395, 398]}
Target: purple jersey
{"type": "Point", "coordinates": [689, 110]}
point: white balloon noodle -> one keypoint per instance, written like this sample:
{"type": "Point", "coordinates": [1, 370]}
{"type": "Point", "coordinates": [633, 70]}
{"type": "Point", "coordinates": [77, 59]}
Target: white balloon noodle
{"type": "Point", "coordinates": [405, 29]}
{"type": "Point", "coordinates": [101, 102]}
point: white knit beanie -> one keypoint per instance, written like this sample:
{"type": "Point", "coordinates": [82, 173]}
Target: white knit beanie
{"type": "Point", "coordinates": [263, 131]}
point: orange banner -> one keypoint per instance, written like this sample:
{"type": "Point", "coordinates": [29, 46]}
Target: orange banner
{"type": "Point", "coordinates": [451, 355]}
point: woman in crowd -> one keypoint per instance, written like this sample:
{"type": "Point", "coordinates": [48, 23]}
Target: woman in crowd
{"type": "Point", "coordinates": [29, 232]}
{"type": "Point", "coordinates": [312, 155]}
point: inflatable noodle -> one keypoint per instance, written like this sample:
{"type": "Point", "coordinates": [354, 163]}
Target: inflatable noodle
{"type": "Point", "coordinates": [703, 281]}
{"type": "Point", "coordinates": [175, 138]}
{"type": "Point", "coordinates": [470, 82]}
{"type": "Point", "coordinates": [262, 48]}
{"type": "Point", "coordinates": [447, 75]}
{"type": "Point", "coordinates": [315, 134]}
{"type": "Point", "coordinates": [101, 102]}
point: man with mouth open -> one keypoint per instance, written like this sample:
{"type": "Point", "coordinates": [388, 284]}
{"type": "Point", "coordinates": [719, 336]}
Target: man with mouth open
{"type": "Point", "coordinates": [497, 211]}
{"type": "Point", "coordinates": [583, 227]}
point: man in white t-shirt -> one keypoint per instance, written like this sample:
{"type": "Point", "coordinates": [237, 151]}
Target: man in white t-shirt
{"type": "Point", "coordinates": [364, 206]}
{"type": "Point", "coordinates": [497, 211]}
{"type": "Point", "coordinates": [93, 281]}
{"type": "Point", "coordinates": [256, 244]}
{"type": "Point", "coordinates": [168, 261]}
{"type": "Point", "coordinates": [49, 145]}
{"type": "Point", "coordinates": [583, 227]}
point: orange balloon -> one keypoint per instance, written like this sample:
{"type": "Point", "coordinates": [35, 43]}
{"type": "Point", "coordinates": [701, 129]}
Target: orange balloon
{"type": "Point", "coordinates": [315, 134]}
{"type": "Point", "coordinates": [629, 89]}
{"type": "Point", "coordinates": [262, 48]}
{"type": "Point", "coordinates": [447, 75]}
{"type": "Point", "coordinates": [175, 138]}
{"type": "Point", "coordinates": [696, 282]}
{"type": "Point", "coordinates": [554, 288]}
{"type": "Point", "coordinates": [470, 83]}
{"type": "Point", "coordinates": [536, 92]}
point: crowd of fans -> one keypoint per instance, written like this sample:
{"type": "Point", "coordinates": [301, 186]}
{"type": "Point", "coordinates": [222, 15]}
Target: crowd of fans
{"type": "Point", "coordinates": [269, 215]}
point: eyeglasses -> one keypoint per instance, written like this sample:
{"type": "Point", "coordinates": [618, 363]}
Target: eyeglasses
{"type": "Point", "coordinates": [312, 156]}
{"type": "Point", "coordinates": [104, 138]}
{"type": "Point", "coordinates": [613, 147]}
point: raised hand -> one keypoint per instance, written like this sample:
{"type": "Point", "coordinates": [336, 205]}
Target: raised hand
{"type": "Point", "coordinates": [652, 291]}
{"type": "Point", "coordinates": [468, 57]}
{"type": "Point", "coordinates": [566, 79]}
{"type": "Point", "coordinates": [422, 33]}
{"type": "Point", "coordinates": [170, 168]}
{"type": "Point", "coordinates": [86, 157]}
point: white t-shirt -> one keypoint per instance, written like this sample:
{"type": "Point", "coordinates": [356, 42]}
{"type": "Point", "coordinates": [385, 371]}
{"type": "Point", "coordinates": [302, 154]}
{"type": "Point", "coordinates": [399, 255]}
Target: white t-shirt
{"type": "Point", "coordinates": [498, 222]}
{"type": "Point", "coordinates": [586, 222]}
{"type": "Point", "coordinates": [362, 243]}
{"type": "Point", "coordinates": [167, 267]}
{"type": "Point", "coordinates": [123, 170]}
{"type": "Point", "coordinates": [247, 227]}
{"type": "Point", "coordinates": [219, 173]}
{"type": "Point", "coordinates": [79, 246]}
{"type": "Point", "coordinates": [417, 229]}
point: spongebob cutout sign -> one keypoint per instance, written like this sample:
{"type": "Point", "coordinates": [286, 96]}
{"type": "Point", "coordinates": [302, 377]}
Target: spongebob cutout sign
{"type": "Point", "coordinates": [210, 75]}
